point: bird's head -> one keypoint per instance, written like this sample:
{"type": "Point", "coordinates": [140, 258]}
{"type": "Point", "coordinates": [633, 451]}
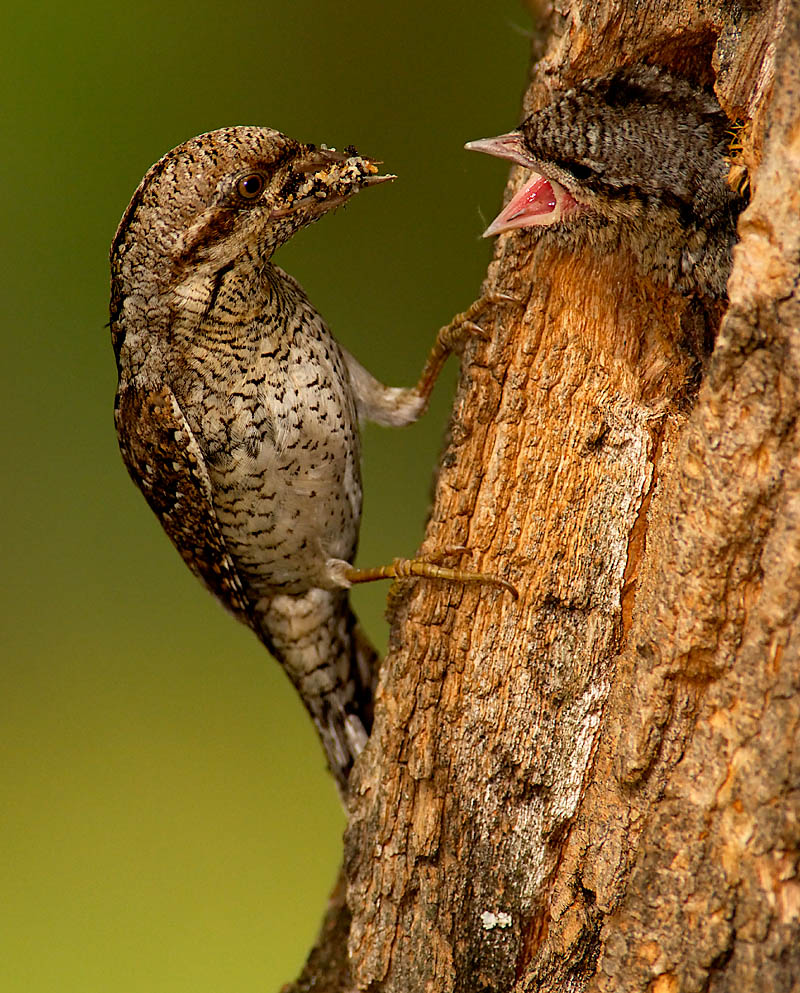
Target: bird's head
{"type": "Point", "coordinates": [636, 159]}
{"type": "Point", "coordinates": [640, 139]}
{"type": "Point", "coordinates": [227, 194]}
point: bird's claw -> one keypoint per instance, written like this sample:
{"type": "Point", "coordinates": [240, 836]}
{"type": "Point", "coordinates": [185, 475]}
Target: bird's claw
{"type": "Point", "coordinates": [421, 569]}
{"type": "Point", "coordinates": [455, 335]}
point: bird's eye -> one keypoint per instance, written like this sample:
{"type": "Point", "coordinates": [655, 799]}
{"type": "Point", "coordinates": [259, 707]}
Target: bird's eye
{"type": "Point", "coordinates": [251, 186]}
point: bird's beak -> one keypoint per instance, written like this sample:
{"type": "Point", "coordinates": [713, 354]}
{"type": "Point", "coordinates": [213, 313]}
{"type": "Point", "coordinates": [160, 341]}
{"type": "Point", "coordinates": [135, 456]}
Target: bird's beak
{"type": "Point", "coordinates": [386, 177]}
{"type": "Point", "coordinates": [540, 201]}
{"type": "Point", "coordinates": [323, 178]}
{"type": "Point", "coordinates": [319, 159]}
{"type": "Point", "coordinates": [536, 203]}
{"type": "Point", "coordinates": [505, 146]}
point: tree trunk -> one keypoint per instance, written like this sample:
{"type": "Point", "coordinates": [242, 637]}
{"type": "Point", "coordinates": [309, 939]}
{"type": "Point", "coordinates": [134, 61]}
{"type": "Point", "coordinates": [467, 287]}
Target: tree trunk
{"type": "Point", "coordinates": [596, 787]}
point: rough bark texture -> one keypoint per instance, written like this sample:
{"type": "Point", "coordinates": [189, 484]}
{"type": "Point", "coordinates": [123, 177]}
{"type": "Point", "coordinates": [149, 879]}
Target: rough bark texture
{"type": "Point", "coordinates": [598, 787]}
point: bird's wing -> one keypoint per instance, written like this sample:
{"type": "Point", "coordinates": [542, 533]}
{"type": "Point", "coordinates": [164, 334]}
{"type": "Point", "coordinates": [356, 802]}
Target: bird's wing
{"type": "Point", "coordinates": [165, 461]}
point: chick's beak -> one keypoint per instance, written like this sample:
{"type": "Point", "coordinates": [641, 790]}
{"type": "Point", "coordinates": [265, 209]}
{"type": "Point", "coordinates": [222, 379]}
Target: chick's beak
{"type": "Point", "coordinates": [539, 202]}
{"type": "Point", "coordinates": [505, 146]}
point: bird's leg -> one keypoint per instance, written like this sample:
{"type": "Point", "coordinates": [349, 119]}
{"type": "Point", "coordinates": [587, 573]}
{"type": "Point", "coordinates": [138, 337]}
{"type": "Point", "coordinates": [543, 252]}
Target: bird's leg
{"type": "Point", "coordinates": [396, 406]}
{"type": "Point", "coordinates": [452, 338]}
{"type": "Point", "coordinates": [409, 568]}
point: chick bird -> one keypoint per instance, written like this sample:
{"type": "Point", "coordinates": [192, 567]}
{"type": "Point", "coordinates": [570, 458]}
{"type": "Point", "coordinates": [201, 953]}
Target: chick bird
{"type": "Point", "coordinates": [637, 156]}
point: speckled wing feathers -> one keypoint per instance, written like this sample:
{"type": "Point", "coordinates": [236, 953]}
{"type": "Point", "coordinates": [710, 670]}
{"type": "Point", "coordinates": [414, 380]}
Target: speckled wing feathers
{"type": "Point", "coordinates": [166, 463]}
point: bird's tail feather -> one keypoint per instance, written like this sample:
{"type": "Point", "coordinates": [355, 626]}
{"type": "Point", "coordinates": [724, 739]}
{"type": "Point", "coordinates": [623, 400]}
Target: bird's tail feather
{"type": "Point", "coordinates": [333, 666]}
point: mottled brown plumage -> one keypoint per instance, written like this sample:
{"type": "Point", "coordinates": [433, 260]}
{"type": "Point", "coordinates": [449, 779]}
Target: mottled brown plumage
{"type": "Point", "coordinates": [237, 411]}
{"type": "Point", "coordinates": [638, 158]}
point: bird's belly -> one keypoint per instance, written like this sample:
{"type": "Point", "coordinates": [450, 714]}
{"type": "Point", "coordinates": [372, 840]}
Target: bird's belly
{"type": "Point", "coordinates": [289, 498]}
{"type": "Point", "coordinates": [282, 523]}
{"type": "Point", "coordinates": [274, 415]}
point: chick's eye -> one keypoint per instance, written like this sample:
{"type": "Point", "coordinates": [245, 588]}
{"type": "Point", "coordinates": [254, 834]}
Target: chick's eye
{"type": "Point", "coordinates": [249, 187]}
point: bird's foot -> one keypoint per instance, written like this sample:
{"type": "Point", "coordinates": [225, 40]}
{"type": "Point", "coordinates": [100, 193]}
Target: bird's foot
{"type": "Point", "coordinates": [410, 568]}
{"type": "Point", "coordinates": [455, 335]}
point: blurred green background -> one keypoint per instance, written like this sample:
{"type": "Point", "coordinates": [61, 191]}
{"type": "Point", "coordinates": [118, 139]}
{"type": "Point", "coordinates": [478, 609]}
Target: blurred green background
{"type": "Point", "coordinates": [167, 822]}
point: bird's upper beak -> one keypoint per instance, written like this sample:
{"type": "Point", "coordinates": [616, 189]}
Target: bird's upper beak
{"type": "Point", "coordinates": [539, 202]}
{"type": "Point", "coordinates": [322, 178]}
{"type": "Point", "coordinates": [504, 146]}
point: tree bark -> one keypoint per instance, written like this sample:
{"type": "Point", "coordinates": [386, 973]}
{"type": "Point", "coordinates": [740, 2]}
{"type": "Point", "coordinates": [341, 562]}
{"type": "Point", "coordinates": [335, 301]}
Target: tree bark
{"type": "Point", "coordinates": [597, 787]}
